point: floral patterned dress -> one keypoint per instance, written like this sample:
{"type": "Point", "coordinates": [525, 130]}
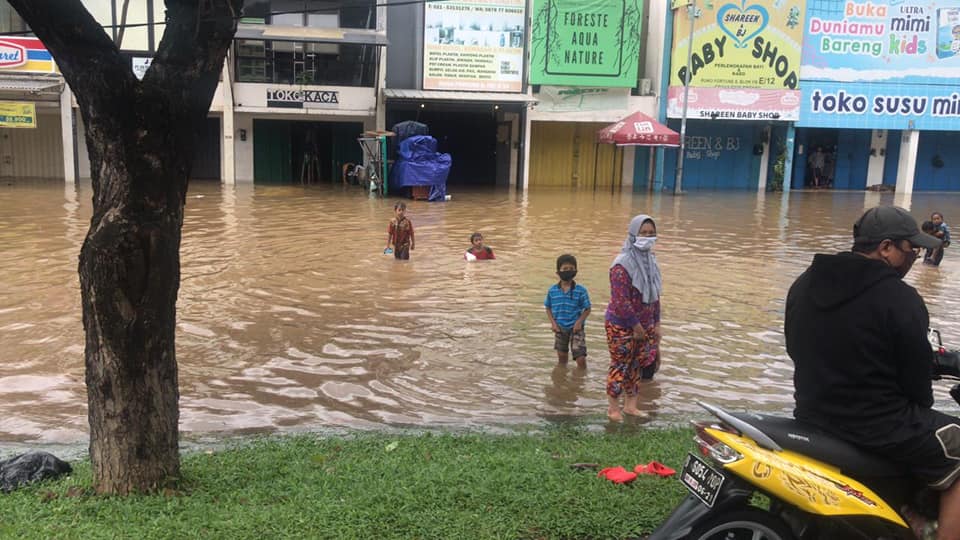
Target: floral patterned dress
{"type": "Point", "coordinates": [628, 357]}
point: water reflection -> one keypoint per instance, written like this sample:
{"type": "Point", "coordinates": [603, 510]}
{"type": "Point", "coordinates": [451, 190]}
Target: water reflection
{"type": "Point", "coordinates": [290, 316]}
{"type": "Point", "coordinates": [566, 386]}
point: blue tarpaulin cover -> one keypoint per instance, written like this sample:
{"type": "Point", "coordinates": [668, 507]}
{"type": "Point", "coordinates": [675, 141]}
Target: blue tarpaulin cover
{"type": "Point", "coordinates": [409, 128]}
{"type": "Point", "coordinates": [419, 164]}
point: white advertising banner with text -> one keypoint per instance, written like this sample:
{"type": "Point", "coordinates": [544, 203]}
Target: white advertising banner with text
{"type": "Point", "coordinates": [476, 45]}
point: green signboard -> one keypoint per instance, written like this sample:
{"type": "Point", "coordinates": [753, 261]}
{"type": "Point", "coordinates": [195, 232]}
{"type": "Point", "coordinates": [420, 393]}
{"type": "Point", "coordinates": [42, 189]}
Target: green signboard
{"type": "Point", "coordinates": [586, 42]}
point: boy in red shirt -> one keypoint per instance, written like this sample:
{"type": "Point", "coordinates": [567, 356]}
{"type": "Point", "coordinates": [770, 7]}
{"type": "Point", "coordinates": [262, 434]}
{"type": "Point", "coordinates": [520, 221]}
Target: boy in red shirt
{"type": "Point", "coordinates": [477, 251]}
{"type": "Point", "coordinates": [400, 233]}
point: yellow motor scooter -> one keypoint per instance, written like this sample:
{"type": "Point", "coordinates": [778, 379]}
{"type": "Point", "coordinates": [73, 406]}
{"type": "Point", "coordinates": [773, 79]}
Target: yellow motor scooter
{"type": "Point", "coordinates": [815, 485]}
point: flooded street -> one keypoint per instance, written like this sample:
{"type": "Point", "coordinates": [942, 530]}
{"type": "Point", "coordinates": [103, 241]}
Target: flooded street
{"type": "Point", "coordinates": [291, 318]}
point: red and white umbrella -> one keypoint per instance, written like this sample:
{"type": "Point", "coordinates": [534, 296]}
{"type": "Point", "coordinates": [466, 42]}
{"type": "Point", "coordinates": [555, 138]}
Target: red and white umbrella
{"type": "Point", "coordinates": [638, 129]}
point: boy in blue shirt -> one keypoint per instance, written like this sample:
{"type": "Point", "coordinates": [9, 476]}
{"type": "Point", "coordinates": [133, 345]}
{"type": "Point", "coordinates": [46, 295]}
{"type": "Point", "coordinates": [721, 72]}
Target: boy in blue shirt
{"type": "Point", "coordinates": [568, 305]}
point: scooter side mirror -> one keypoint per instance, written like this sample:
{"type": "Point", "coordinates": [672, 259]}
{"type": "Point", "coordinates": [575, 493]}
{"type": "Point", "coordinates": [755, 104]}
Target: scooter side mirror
{"type": "Point", "coordinates": [934, 337]}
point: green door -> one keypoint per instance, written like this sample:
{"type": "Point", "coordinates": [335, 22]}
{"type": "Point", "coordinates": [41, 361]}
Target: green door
{"type": "Point", "coordinates": [272, 152]}
{"type": "Point", "coordinates": [344, 147]}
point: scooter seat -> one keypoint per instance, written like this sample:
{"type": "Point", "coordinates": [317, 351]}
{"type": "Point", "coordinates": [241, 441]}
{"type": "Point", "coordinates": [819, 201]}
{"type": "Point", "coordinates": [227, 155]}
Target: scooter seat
{"type": "Point", "coordinates": [810, 441]}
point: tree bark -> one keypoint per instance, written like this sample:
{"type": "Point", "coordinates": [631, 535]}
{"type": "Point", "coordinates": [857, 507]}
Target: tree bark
{"type": "Point", "coordinates": [140, 137]}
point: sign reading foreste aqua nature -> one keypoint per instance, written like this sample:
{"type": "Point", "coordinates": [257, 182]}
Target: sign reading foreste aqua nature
{"type": "Point", "coordinates": [882, 64]}
{"type": "Point", "coordinates": [585, 42]}
{"type": "Point", "coordinates": [745, 63]}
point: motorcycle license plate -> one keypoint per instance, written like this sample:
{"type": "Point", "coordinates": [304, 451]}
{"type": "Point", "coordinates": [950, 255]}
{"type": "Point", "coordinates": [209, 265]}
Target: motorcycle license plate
{"type": "Point", "coordinates": [702, 481]}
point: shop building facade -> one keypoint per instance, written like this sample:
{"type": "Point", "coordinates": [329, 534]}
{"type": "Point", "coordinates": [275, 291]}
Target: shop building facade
{"type": "Point", "coordinates": [299, 86]}
{"type": "Point", "coordinates": [879, 82]}
{"type": "Point", "coordinates": [742, 95]}
{"type": "Point", "coordinates": [458, 67]}
{"type": "Point", "coordinates": [874, 89]}
{"type": "Point", "coordinates": [589, 66]}
{"type": "Point", "coordinates": [36, 120]}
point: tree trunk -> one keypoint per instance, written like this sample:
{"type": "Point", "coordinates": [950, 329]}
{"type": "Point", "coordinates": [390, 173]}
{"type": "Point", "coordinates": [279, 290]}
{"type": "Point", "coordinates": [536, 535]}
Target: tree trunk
{"type": "Point", "coordinates": [129, 278]}
{"type": "Point", "coordinates": [140, 138]}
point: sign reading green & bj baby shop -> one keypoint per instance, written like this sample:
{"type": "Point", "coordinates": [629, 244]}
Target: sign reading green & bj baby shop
{"type": "Point", "coordinates": [585, 42]}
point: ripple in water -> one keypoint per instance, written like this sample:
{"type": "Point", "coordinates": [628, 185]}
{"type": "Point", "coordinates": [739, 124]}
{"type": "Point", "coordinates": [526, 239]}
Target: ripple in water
{"type": "Point", "coordinates": [290, 316]}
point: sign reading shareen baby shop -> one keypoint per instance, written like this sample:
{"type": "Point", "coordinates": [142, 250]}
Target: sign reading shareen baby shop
{"type": "Point", "coordinates": [586, 42]}
{"type": "Point", "coordinates": [745, 62]}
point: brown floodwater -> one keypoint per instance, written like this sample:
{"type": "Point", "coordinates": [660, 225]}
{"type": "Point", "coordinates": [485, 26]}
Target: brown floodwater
{"type": "Point", "coordinates": [291, 318]}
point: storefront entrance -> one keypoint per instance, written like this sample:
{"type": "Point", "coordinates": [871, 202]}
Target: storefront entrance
{"type": "Point", "coordinates": [298, 152]}
{"type": "Point", "coordinates": [476, 136]}
{"type": "Point", "coordinates": [565, 154]}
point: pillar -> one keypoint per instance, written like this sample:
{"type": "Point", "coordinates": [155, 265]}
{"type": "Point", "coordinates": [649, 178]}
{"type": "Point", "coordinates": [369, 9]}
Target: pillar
{"type": "Point", "coordinates": [227, 149]}
{"type": "Point", "coordinates": [878, 147]}
{"type": "Point", "coordinates": [764, 160]}
{"type": "Point", "coordinates": [907, 165]}
{"type": "Point", "coordinates": [788, 161]}
{"type": "Point", "coordinates": [67, 136]}
{"type": "Point", "coordinates": [628, 160]}
{"type": "Point", "coordinates": [525, 151]}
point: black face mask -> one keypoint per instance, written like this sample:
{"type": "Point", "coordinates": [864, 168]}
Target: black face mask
{"type": "Point", "coordinates": [567, 275]}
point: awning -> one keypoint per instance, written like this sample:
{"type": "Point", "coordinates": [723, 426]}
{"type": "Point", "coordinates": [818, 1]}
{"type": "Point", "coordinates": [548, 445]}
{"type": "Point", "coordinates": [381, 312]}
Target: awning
{"type": "Point", "coordinates": [302, 33]}
{"type": "Point", "coordinates": [638, 129]}
{"type": "Point", "coordinates": [443, 95]}
{"type": "Point", "coordinates": [31, 86]}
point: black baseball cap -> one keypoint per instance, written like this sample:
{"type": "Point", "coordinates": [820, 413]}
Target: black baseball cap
{"type": "Point", "coordinates": [893, 223]}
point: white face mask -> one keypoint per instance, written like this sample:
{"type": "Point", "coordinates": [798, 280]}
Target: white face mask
{"type": "Point", "coordinates": [645, 243]}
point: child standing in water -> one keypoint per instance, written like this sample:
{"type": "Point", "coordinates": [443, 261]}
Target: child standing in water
{"type": "Point", "coordinates": [568, 305]}
{"type": "Point", "coordinates": [477, 251]}
{"type": "Point", "coordinates": [941, 231]}
{"type": "Point", "coordinates": [400, 233]}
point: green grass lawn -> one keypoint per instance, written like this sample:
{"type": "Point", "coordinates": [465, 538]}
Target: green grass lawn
{"type": "Point", "coordinates": [375, 486]}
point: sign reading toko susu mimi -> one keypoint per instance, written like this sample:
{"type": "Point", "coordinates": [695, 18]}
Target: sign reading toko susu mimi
{"type": "Point", "coordinates": [882, 64]}
{"type": "Point", "coordinates": [586, 42]}
{"type": "Point", "coordinates": [745, 62]}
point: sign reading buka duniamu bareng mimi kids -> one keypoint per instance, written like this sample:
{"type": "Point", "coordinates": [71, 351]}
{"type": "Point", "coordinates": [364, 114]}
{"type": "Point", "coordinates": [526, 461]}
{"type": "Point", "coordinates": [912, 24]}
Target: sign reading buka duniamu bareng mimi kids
{"type": "Point", "coordinates": [882, 64]}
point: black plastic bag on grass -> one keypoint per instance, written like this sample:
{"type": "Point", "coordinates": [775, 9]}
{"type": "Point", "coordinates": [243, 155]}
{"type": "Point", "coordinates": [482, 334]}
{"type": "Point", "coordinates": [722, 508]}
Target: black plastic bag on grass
{"type": "Point", "coordinates": [30, 467]}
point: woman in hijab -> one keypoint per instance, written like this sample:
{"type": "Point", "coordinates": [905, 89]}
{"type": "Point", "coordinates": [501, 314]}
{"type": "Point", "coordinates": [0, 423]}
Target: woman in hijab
{"type": "Point", "coordinates": [633, 318]}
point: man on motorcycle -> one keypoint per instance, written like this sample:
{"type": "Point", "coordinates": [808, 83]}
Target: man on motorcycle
{"type": "Point", "coordinates": [857, 335]}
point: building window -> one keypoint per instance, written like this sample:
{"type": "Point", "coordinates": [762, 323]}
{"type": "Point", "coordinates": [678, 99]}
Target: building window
{"type": "Point", "coordinates": [10, 20]}
{"type": "Point", "coordinates": [251, 61]}
{"type": "Point", "coordinates": [311, 13]}
{"type": "Point", "coordinates": [296, 62]}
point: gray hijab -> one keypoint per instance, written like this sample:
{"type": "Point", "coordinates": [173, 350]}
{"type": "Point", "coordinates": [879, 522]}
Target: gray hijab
{"type": "Point", "coordinates": [641, 265]}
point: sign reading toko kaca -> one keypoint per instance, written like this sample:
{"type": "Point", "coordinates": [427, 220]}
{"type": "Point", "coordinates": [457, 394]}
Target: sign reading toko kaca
{"type": "Point", "coordinates": [299, 99]}
{"type": "Point", "coordinates": [586, 42]}
{"type": "Point", "coordinates": [745, 63]}
{"type": "Point", "coordinates": [882, 64]}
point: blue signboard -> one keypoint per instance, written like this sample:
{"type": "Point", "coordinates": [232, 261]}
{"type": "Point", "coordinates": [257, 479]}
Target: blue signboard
{"type": "Point", "coordinates": [881, 64]}
{"type": "Point", "coordinates": [879, 106]}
